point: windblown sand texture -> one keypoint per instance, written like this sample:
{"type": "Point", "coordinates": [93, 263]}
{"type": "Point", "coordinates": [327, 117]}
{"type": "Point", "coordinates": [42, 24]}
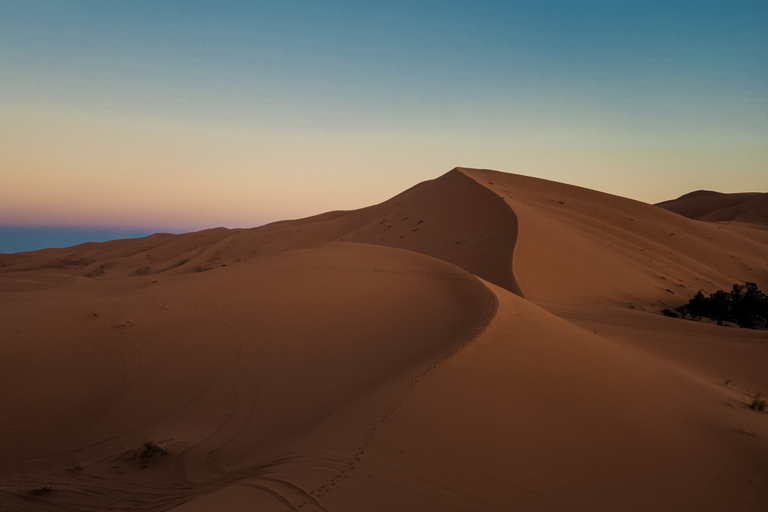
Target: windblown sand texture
{"type": "Point", "coordinates": [481, 342]}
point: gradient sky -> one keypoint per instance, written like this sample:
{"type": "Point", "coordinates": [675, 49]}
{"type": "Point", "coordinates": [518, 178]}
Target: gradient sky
{"type": "Point", "coordinates": [192, 114]}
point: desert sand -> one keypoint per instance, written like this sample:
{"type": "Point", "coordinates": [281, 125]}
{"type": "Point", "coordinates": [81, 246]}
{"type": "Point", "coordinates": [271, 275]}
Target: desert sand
{"type": "Point", "coordinates": [481, 342]}
{"type": "Point", "coordinates": [749, 207]}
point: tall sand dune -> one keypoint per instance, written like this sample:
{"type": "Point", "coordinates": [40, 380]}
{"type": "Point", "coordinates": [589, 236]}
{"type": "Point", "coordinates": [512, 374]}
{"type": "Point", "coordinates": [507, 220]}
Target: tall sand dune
{"type": "Point", "coordinates": [579, 245]}
{"type": "Point", "coordinates": [482, 341]}
{"type": "Point", "coordinates": [451, 218]}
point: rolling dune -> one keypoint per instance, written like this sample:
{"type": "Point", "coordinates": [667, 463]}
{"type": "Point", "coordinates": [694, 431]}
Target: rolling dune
{"type": "Point", "coordinates": [749, 207]}
{"type": "Point", "coordinates": [482, 341]}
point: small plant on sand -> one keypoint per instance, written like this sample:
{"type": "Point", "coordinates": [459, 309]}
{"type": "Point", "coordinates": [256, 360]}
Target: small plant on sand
{"type": "Point", "coordinates": [39, 491]}
{"type": "Point", "coordinates": [75, 466]}
{"type": "Point", "coordinates": [758, 403]}
{"type": "Point", "coordinates": [149, 450]}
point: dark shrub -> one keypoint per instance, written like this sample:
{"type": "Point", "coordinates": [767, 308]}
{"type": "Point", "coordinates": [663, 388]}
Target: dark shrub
{"type": "Point", "coordinates": [744, 305]}
{"type": "Point", "coordinates": [758, 404]}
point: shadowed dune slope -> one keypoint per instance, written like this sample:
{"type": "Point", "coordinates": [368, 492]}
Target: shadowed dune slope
{"type": "Point", "coordinates": [748, 207]}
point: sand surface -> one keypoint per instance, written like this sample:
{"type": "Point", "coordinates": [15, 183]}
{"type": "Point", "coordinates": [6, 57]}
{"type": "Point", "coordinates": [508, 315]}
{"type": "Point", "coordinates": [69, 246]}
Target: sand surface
{"type": "Point", "coordinates": [483, 341]}
{"type": "Point", "coordinates": [748, 207]}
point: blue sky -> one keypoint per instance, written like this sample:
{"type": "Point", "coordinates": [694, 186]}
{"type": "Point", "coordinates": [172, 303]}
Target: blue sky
{"type": "Point", "coordinates": [197, 114]}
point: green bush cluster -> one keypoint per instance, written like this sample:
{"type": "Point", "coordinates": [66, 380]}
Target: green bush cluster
{"type": "Point", "coordinates": [745, 305]}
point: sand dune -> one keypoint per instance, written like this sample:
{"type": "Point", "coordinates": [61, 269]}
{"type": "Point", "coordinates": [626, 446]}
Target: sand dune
{"type": "Point", "coordinates": [579, 245]}
{"type": "Point", "coordinates": [482, 341]}
{"type": "Point", "coordinates": [750, 207]}
{"type": "Point", "coordinates": [450, 218]}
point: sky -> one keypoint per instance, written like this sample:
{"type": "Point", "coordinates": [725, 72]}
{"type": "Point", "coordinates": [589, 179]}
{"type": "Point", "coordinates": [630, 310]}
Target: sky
{"type": "Point", "coordinates": [183, 115]}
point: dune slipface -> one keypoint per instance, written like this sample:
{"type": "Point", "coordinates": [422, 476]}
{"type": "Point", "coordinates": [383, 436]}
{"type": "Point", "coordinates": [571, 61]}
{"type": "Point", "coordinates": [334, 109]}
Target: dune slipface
{"type": "Point", "coordinates": [482, 341]}
{"type": "Point", "coordinates": [452, 218]}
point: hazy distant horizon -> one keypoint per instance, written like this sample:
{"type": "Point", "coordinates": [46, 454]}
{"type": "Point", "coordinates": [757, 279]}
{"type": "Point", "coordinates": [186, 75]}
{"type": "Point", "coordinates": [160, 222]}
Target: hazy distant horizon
{"type": "Point", "coordinates": [21, 238]}
{"type": "Point", "coordinates": [31, 237]}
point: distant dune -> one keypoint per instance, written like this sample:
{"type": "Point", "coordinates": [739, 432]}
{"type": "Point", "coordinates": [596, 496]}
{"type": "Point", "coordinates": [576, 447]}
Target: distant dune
{"type": "Point", "coordinates": [750, 207]}
{"type": "Point", "coordinates": [482, 341]}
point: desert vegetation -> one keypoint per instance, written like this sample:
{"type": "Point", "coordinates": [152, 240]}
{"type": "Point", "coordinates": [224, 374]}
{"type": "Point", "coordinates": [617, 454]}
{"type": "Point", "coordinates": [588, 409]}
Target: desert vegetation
{"type": "Point", "coordinates": [150, 450]}
{"type": "Point", "coordinates": [39, 491]}
{"type": "Point", "coordinates": [758, 403]}
{"type": "Point", "coordinates": [745, 305]}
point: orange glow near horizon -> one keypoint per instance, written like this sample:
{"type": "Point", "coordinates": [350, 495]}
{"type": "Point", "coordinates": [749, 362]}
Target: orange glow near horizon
{"type": "Point", "coordinates": [156, 115]}
{"type": "Point", "coordinates": [160, 172]}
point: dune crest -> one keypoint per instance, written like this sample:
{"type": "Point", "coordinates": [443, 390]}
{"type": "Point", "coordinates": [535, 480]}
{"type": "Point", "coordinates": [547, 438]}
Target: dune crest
{"type": "Point", "coordinates": [450, 218]}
